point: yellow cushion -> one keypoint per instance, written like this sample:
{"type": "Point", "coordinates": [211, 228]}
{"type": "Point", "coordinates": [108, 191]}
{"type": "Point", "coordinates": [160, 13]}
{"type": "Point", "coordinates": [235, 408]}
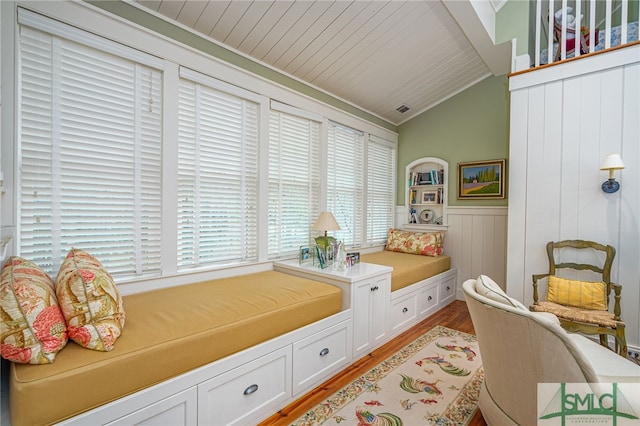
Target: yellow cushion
{"type": "Point", "coordinates": [90, 301]}
{"type": "Point", "coordinates": [32, 328]}
{"type": "Point", "coordinates": [408, 269]}
{"type": "Point", "coordinates": [422, 243]}
{"type": "Point", "coordinates": [169, 331]}
{"type": "Point", "coordinates": [581, 294]}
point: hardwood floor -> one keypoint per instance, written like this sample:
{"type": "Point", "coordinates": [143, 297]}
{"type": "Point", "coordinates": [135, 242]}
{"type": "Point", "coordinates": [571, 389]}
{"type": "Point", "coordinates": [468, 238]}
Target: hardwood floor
{"type": "Point", "coordinates": [455, 316]}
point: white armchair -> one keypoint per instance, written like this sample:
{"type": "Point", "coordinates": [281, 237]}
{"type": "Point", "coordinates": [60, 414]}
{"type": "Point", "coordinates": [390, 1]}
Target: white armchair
{"type": "Point", "coordinates": [520, 349]}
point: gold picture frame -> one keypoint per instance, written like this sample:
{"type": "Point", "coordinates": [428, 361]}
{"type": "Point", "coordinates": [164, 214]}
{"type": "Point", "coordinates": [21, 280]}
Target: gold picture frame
{"type": "Point", "coordinates": [481, 180]}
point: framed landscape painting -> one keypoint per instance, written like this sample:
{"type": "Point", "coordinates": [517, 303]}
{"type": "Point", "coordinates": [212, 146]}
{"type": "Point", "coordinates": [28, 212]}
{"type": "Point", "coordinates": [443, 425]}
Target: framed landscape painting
{"type": "Point", "coordinates": [481, 179]}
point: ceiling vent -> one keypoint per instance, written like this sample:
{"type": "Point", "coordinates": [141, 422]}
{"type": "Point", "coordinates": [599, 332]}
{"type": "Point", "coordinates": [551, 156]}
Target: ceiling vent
{"type": "Point", "coordinates": [402, 109]}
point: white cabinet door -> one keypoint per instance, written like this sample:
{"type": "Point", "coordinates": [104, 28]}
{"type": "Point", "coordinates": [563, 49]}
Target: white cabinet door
{"type": "Point", "coordinates": [362, 317]}
{"type": "Point", "coordinates": [371, 298]}
{"type": "Point", "coordinates": [177, 410]}
{"type": "Point", "coordinates": [380, 297]}
{"type": "Point", "coordinates": [246, 393]}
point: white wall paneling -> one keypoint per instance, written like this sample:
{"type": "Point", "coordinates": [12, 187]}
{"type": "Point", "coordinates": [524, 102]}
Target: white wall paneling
{"type": "Point", "coordinates": [564, 120]}
{"type": "Point", "coordinates": [476, 240]}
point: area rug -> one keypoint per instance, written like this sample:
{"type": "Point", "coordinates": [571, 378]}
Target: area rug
{"type": "Point", "coordinates": [434, 380]}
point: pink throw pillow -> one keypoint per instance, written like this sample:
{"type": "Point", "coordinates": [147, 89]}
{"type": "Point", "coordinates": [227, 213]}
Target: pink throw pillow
{"type": "Point", "coordinates": [90, 301]}
{"type": "Point", "coordinates": [33, 328]}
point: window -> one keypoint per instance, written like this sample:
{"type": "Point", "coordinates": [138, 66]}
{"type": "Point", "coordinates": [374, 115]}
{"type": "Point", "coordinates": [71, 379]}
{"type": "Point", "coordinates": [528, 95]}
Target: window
{"type": "Point", "coordinates": [217, 173]}
{"type": "Point", "coordinates": [381, 172]}
{"type": "Point", "coordinates": [345, 188]}
{"type": "Point", "coordinates": [89, 114]}
{"type": "Point", "coordinates": [294, 179]}
{"type": "Point", "coordinates": [157, 169]}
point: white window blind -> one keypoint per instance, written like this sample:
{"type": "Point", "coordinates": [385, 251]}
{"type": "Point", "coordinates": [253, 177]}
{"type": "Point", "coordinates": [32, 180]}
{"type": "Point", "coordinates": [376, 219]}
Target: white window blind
{"type": "Point", "coordinates": [345, 189]}
{"type": "Point", "coordinates": [89, 150]}
{"type": "Point", "coordinates": [217, 174]}
{"type": "Point", "coordinates": [294, 180]}
{"type": "Point", "coordinates": [381, 173]}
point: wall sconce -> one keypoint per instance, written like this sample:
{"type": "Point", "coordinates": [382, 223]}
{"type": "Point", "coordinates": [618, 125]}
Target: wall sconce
{"type": "Point", "coordinates": [611, 162]}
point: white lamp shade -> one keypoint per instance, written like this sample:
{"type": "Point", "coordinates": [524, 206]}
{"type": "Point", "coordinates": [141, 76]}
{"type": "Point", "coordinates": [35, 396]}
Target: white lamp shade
{"type": "Point", "coordinates": [326, 222]}
{"type": "Point", "coordinates": [612, 162]}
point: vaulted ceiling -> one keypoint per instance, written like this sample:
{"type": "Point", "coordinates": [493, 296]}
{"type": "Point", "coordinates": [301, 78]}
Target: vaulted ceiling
{"type": "Point", "coordinates": [376, 55]}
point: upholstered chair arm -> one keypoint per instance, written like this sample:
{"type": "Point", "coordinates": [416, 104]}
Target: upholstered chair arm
{"type": "Point", "coordinates": [617, 289]}
{"type": "Point", "coordinates": [536, 277]}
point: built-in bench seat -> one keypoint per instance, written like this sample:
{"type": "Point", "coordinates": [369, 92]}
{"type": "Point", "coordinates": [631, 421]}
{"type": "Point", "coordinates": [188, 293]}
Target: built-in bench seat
{"type": "Point", "coordinates": [169, 332]}
{"type": "Point", "coordinates": [408, 269]}
{"type": "Point", "coordinates": [422, 280]}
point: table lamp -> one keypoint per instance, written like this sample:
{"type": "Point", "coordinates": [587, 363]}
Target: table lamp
{"type": "Point", "coordinates": [325, 222]}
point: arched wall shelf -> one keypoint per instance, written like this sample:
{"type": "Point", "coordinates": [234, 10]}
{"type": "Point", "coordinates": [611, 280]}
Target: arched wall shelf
{"type": "Point", "coordinates": [427, 189]}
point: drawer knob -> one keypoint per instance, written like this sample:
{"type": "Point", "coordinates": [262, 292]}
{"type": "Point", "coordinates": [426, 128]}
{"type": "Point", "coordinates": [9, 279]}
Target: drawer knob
{"type": "Point", "coordinates": [430, 298]}
{"type": "Point", "coordinates": [251, 389]}
{"type": "Point", "coordinates": [405, 310]}
{"type": "Point", "coordinates": [448, 288]}
{"type": "Point", "coordinates": [324, 352]}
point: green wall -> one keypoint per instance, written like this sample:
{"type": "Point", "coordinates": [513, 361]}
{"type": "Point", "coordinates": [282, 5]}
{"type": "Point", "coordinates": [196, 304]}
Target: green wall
{"type": "Point", "coordinates": [512, 21]}
{"type": "Point", "coordinates": [471, 126]}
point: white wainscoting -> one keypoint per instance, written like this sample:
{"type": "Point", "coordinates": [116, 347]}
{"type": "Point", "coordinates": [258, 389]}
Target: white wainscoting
{"type": "Point", "coordinates": [476, 241]}
{"type": "Point", "coordinates": [564, 120]}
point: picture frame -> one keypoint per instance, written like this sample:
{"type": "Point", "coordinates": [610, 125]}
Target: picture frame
{"type": "Point", "coordinates": [430, 197]}
{"type": "Point", "coordinates": [481, 179]}
{"type": "Point", "coordinates": [319, 257]}
{"type": "Point", "coordinates": [424, 179]}
{"type": "Point", "coordinates": [305, 255]}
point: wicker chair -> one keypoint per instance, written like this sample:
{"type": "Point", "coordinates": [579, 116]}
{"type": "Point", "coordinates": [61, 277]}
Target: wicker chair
{"type": "Point", "coordinates": [582, 306]}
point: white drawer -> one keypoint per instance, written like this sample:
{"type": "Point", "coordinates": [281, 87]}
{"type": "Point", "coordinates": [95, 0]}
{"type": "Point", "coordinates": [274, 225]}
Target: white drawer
{"type": "Point", "coordinates": [320, 355]}
{"type": "Point", "coordinates": [447, 290]}
{"type": "Point", "coordinates": [404, 311]}
{"type": "Point", "coordinates": [178, 409]}
{"type": "Point", "coordinates": [428, 300]}
{"type": "Point", "coordinates": [247, 392]}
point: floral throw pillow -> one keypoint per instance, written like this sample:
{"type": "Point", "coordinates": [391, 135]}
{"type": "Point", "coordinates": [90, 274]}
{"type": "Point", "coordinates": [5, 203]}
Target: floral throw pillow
{"type": "Point", "coordinates": [33, 328]}
{"type": "Point", "coordinates": [90, 301]}
{"type": "Point", "coordinates": [422, 243]}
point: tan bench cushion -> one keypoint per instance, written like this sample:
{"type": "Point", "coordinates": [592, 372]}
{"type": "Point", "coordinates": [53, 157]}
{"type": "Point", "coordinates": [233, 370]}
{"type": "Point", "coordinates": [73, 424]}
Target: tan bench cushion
{"type": "Point", "coordinates": [408, 268]}
{"type": "Point", "coordinates": [169, 332]}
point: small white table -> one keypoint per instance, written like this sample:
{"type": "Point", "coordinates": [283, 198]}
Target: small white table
{"type": "Point", "coordinates": [366, 290]}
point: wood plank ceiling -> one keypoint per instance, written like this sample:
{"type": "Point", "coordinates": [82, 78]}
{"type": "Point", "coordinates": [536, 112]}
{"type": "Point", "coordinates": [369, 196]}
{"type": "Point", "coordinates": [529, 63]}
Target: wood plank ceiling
{"type": "Point", "coordinates": [376, 55]}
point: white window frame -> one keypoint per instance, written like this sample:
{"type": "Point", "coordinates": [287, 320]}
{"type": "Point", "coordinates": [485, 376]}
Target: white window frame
{"type": "Point", "coordinates": [249, 187]}
{"type": "Point", "coordinates": [63, 35]}
{"type": "Point", "coordinates": [286, 246]}
{"type": "Point", "coordinates": [172, 54]}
